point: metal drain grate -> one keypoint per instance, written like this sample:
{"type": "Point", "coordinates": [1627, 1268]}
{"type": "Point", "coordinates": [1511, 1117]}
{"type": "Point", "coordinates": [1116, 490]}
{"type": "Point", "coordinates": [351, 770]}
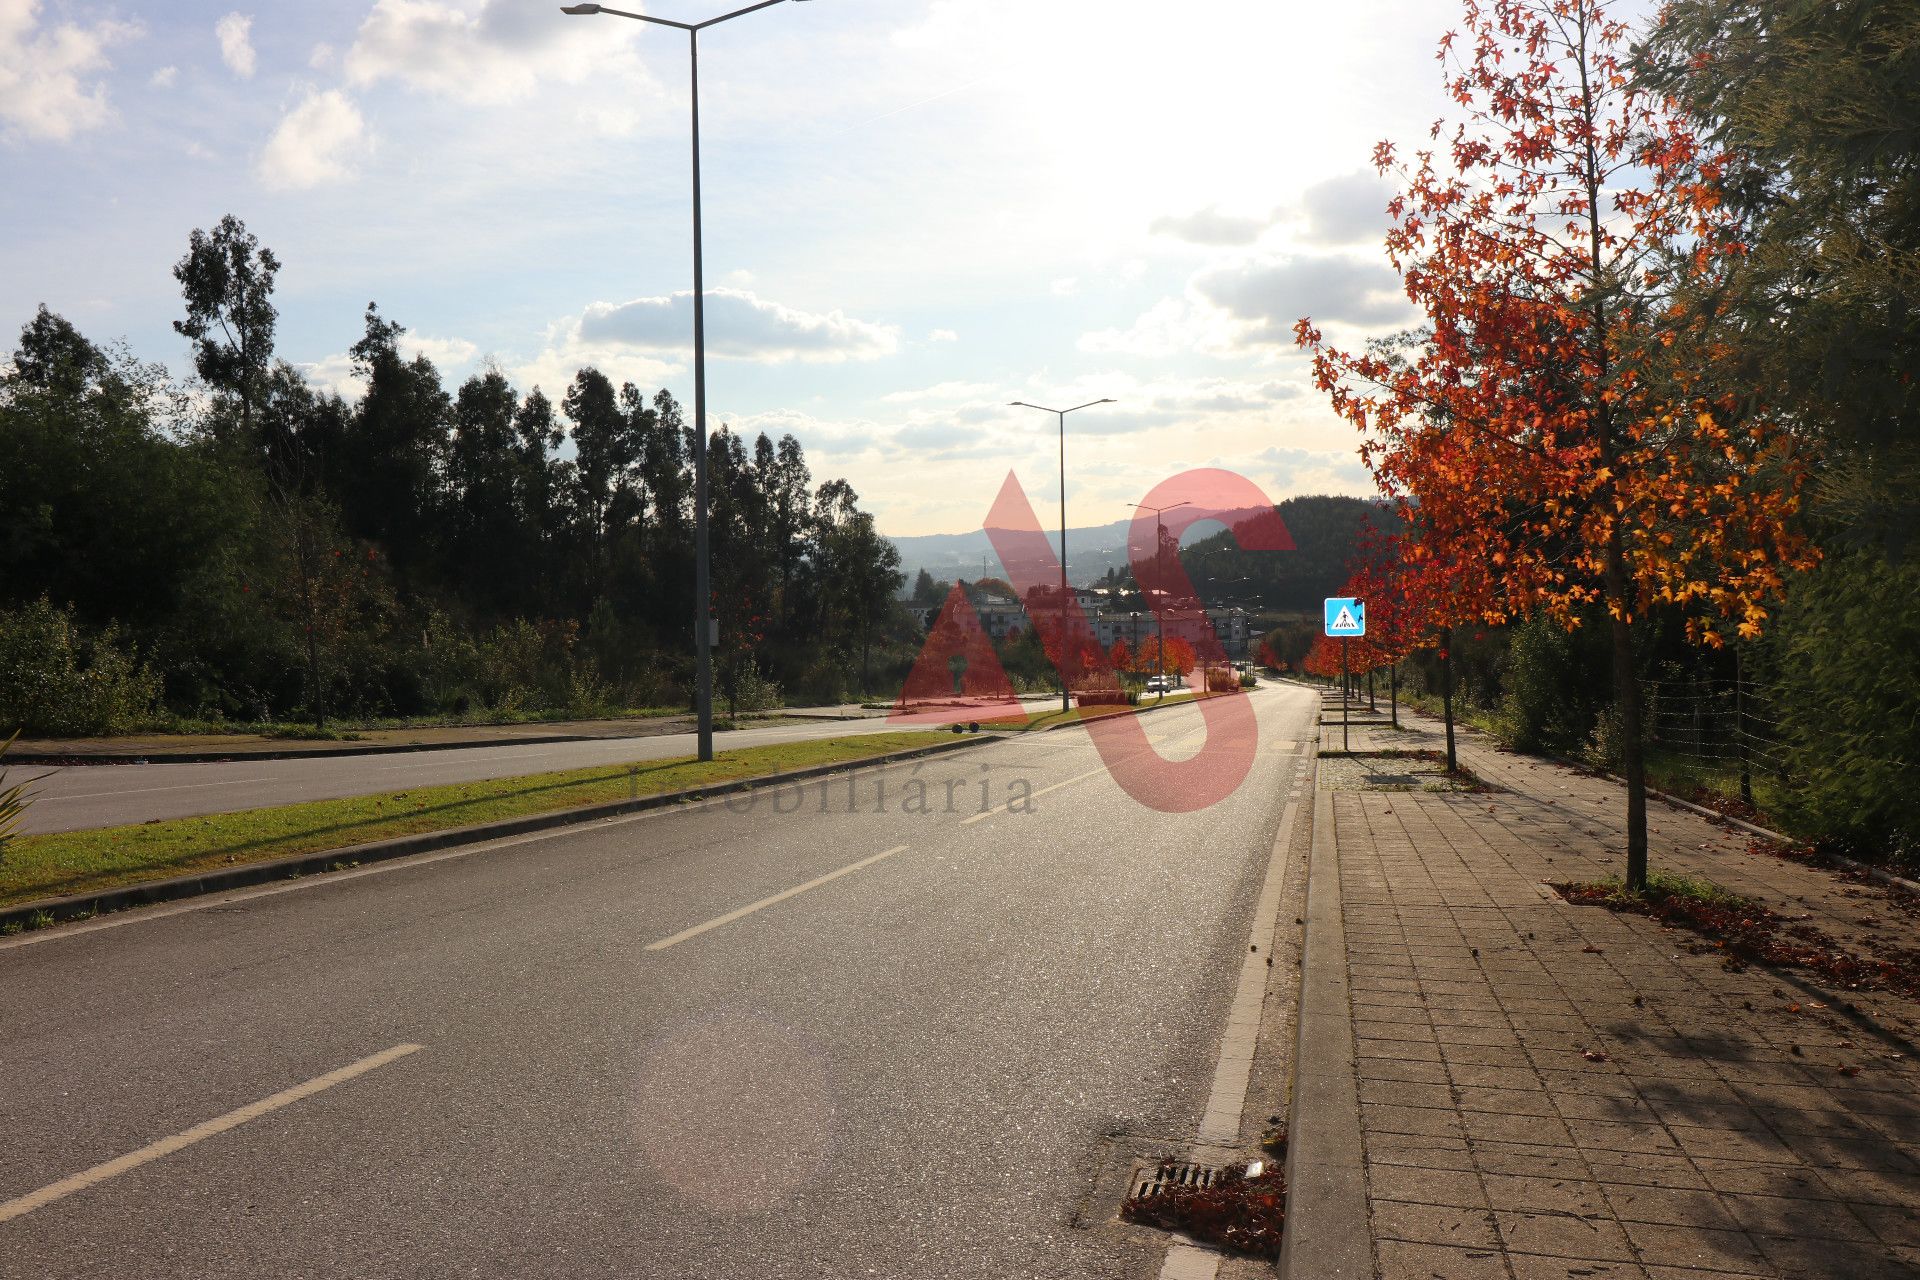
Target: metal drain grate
{"type": "Point", "coordinates": [1151, 1180]}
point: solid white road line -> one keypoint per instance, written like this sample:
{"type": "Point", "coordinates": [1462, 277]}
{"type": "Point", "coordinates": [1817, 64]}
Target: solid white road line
{"type": "Point", "coordinates": [1008, 806]}
{"type": "Point", "coordinates": [1221, 1123]}
{"type": "Point", "coordinates": [1184, 1262]}
{"type": "Point", "coordinates": [428, 764]}
{"type": "Point", "coordinates": [764, 903]}
{"type": "Point", "coordinates": [141, 791]}
{"type": "Point", "coordinates": [199, 1133]}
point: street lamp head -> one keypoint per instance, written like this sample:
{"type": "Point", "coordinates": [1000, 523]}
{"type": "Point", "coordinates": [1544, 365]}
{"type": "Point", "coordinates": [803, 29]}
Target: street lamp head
{"type": "Point", "coordinates": [580, 10]}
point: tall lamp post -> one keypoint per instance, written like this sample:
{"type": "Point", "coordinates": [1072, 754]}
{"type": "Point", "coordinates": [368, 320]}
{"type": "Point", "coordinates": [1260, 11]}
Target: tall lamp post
{"type": "Point", "coordinates": [1066, 697]}
{"type": "Point", "coordinates": [1160, 541]}
{"type": "Point", "coordinates": [704, 626]}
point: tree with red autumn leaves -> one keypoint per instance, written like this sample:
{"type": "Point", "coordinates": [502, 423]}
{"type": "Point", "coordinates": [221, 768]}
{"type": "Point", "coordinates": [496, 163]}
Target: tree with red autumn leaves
{"type": "Point", "coordinates": [1180, 659]}
{"type": "Point", "coordinates": [1563, 426]}
{"type": "Point", "coordinates": [1416, 594]}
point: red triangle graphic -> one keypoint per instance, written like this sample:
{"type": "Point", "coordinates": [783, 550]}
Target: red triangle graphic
{"type": "Point", "coordinates": [957, 678]}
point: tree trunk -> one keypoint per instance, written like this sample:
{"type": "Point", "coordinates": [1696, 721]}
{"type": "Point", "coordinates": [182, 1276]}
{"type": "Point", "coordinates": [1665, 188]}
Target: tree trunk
{"type": "Point", "coordinates": [866, 649]}
{"type": "Point", "coordinates": [1373, 707]}
{"type": "Point", "coordinates": [1393, 692]}
{"type": "Point", "coordinates": [1626, 693]}
{"type": "Point", "coordinates": [1446, 694]}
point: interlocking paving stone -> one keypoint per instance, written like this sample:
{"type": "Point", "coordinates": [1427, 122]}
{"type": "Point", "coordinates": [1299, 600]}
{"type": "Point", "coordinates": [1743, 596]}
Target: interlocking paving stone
{"type": "Point", "coordinates": [1524, 1116]}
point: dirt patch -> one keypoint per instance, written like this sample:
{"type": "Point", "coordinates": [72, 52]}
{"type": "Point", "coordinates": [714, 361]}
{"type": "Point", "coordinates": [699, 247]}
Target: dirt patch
{"type": "Point", "coordinates": [1744, 932]}
{"type": "Point", "coordinates": [1395, 769]}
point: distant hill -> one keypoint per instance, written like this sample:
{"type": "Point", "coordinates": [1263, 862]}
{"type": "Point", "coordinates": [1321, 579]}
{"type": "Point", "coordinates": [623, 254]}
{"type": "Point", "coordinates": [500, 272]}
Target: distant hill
{"type": "Point", "coordinates": [953, 556]}
{"type": "Point", "coordinates": [1325, 529]}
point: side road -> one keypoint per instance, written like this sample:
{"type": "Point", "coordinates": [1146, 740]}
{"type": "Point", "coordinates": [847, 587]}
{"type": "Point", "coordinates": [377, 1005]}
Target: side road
{"type": "Point", "coordinates": [1549, 1090]}
{"type": "Point", "coordinates": [183, 748]}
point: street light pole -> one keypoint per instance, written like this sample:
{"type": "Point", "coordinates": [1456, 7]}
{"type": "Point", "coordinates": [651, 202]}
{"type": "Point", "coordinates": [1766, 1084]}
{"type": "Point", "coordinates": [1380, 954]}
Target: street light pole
{"type": "Point", "coordinates": [1159, 542]}
{"type": "Point", "coordinates": [1066, 697]}
{"type": "Point", "coordinates": [704, 626]}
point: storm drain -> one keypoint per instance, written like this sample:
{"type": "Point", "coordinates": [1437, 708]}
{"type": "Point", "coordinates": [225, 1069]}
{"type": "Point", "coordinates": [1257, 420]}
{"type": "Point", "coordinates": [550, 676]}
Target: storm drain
{"type": "Point", "coordinates": [1169, 1175]}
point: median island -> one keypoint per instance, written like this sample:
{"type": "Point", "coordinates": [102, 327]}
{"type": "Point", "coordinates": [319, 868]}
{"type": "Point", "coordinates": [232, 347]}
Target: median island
{"type": "Point", "coordinates": [79, 862]}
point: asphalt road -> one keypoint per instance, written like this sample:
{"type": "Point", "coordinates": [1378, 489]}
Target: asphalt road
{"type": "Point", "coordinates": [903, 1070]}
{"type": "Point", "coordinates": [86, 796]}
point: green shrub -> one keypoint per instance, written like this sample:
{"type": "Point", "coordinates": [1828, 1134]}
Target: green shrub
{"type": "Point", "coordinates": [1848, 693]}
{"type": "Point", "coordinates": [13, 803]}
{"type": "Point", "coordinates": [55, 679]}
{"type": "Point", "coordinates": [752, 691]}
{"type": "Point", "coordinates": [1547, 701]}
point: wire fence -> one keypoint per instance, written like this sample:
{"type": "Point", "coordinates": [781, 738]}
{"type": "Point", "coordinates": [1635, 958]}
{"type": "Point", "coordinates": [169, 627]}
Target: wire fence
{"type": "Point", "coordinates": [1721, 733]}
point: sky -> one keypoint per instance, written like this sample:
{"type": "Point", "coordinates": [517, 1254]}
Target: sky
{"type": "Point", "coordinates": [917, 211]}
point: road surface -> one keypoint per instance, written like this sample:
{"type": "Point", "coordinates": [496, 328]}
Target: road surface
{"type": "Point", "coordinates": [843, 1041]}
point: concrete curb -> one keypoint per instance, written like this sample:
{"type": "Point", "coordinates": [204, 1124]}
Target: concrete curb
{"type": "Point", "coordinates": [1137, 711]}
{"type": "Point", "coordinates": [1327, 1233]}
{"type": "Point", "coordinates": [85, 905]}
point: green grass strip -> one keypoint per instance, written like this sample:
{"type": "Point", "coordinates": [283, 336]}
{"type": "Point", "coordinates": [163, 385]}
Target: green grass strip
{"type": "Point", "coordinates": [52, 866]}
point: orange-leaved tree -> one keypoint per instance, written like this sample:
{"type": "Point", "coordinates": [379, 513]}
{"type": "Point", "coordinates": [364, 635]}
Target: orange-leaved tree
{"type": "Point", "coordinates": [1564, 426]}
{"type": "Point", "coordinates": [1323, 659]}
{"type": "Point", "coordinates": [1181, 658]}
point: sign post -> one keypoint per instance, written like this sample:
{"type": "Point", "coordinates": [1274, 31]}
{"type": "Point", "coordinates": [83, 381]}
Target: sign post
{"type": "Point", "coordinates": [1346, 617]}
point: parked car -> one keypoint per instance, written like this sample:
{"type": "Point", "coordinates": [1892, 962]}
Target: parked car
{"type": "Point", "coordinates": [1158, 684]}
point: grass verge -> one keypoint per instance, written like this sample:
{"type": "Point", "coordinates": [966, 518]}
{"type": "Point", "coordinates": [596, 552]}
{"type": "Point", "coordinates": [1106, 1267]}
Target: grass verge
{"type": "Point", "coordinates": [1048, 719]}
{"type": "Point", "coordinates": [48, 866]}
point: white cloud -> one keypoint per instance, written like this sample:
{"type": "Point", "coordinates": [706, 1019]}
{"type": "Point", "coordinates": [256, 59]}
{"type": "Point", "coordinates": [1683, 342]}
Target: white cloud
{"type": "Point", "coordinates": [322, 56]}
{"type": "Point", "coordinates": [740, 325]}
{"type": "Point", "coordinates": [316, 143]}
{"type": "Point", "coordinates": [940, 391]}
{"type": "Point", "coordinates": [564, 353]}
{"type": "Point", "coordinates": [1289, 472]}
{"type": "Point", "coordinates": [451, 356]}
{"type": "Point", "coordinates": [943, 335]}
{"type": "Point", "coordinates": [499, 53]}
{"type": "Point", "coordinates": [46, 89]}
{"type": "Point", "coordinates": [1347, 210]}
{"type": "Point", "coordinates": [1172, 327]}
{"type": "Point", "coordinates": [1269, 296]}
{"type": "Point", "coordinates": [235, 33]}
{"type": "Point", "coordinates": [1212, 228]}
{"type": "Point", "coordinates": [1066, 286]}
{"type": "Point", "coordinates": [164, 78]}
{"type": "Point", "coordinates": [1252, 304]}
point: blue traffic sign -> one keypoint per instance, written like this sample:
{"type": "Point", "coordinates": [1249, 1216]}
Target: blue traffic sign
{"type": "Point", "coordinates": [1346, 617]}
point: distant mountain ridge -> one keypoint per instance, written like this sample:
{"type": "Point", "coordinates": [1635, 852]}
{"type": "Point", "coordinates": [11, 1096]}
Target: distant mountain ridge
{"type": "Point", "coordinates": [1325, 531]}
{"type": "Point", "coordinates": [951, 557]}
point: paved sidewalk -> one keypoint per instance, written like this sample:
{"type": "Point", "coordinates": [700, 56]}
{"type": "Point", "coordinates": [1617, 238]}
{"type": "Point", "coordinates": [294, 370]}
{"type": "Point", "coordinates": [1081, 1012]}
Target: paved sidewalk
{"type": "Point", "coordinates": [1558, 1091]}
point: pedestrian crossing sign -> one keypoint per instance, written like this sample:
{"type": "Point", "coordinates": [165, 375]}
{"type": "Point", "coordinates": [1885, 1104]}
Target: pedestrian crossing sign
{"type": "Point", "coordinates": [1346, 617]}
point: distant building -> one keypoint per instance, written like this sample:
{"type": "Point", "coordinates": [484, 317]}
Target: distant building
{"type": "Point", "coordinates": [1002, 618]}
